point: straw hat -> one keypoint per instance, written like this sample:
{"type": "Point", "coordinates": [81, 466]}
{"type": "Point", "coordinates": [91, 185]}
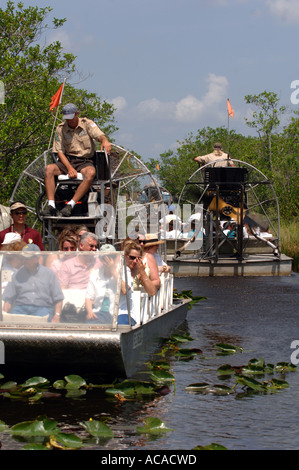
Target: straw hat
{"type": "Point", "coordinates": [151, 239]}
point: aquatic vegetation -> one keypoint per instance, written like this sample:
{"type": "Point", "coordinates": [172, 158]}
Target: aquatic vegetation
{"type": "Point", "coordinates": [97, 429]}
{"type": "Point", "coordinates": [224, 348]}
{"type": "Point", "coordinates": [187, 294]}
{"type": "Point", "coordinates": [212, 446]}
{"type": "Point", "coordinates": [42, 433]}
{"type": "Point", "coordinates": [243, 377]}
{"type": "Point", "coordinates": [153, 426]}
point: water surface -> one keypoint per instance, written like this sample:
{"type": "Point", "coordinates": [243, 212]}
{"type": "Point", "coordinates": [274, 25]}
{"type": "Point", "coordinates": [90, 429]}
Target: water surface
{"type": "Point", "coordinates": [258, 314]}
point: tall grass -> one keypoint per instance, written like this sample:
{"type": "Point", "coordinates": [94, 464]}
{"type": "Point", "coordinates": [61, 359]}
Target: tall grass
{"type": "Point", "coordinates": [289, 232]}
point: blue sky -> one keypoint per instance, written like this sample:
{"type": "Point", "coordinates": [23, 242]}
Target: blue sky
{"type": "Point", "coordinates": [170, 65]}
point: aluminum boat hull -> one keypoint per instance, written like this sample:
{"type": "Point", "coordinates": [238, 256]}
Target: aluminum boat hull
{"type": "Point", "coordinates": [92, 350]}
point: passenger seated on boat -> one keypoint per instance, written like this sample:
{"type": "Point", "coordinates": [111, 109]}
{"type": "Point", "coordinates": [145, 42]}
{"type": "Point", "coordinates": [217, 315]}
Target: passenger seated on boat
{"type": "Point", "coordinates": [12, 242]}
{"type": "Point", "coordinates": [172, 232]}
{"type": "Point", "coordinates": [229, 229]}
{"type": "Point", "coordinates": [133, 267]}
{"type": "Point", "coordinates": [150, 245]}
{"type": "Point", "coordinates": [151, 271]}
{"type": "Point", "coordinates": [75, 272]}
{"type": "Point", "coordinates": [66, 244]}
{"type": "Point", "coordinates": [34, 289]}
{"type": "Point", "coordinates": [74, 146]}
{"type": "Point", "coordinates": [18, 213]}
{"type": "Point", "coordinates": [101, 289]}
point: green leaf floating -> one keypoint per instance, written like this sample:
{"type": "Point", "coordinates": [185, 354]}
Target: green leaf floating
{"type": "Point", "coordinates": [38, 427]}
{"type": "Point", "coordinates": [131, 389]}
{"type": "Point", "coordinates": [250, 383]}
{"type": "Point", "coordinates": [67, 440]}
{"type": "Point", "coordinates": [153, 426]}
{"type": "Point", "coordinates": [36, 382]}
{"type": "Point", "coordinates": [97, 429]}
{"type": "Point", "coordinates": [228, 348]}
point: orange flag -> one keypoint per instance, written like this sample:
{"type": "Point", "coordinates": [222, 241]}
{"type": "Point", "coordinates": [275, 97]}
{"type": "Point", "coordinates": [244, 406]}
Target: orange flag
{"type": "Point", "coordinates": [56, 99]}
{"type": "Point", "coordinates": [230, 109]}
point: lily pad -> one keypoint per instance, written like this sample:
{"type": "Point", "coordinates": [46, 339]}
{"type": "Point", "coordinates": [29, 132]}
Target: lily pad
{"type": "Point", "coordinates": [36, 382]}
{"type": "Point", "coordinates": [3, 426]}
{"type": "Point", "coordinates": [74, 381]}
{"type": "Point", "coordinates": [38, 427]}
{"type": "Point", "coordinates": [278, 384]}
{"type": "Point", "coordinates": [197, 387]}
{"type": "Point", "coordinates": [66, 441]}
{"type": "Point", "coordinates": [131, 389]}
{"type": "Point", "coordinates": [153, 426]}
{"type": "Point", "coordinates": [226, 369]}
{"type": "Point", "coordinates": [228, 348]}
{"type": "Point", "coordinates": [97, 429]}
{"type": "Point", "coordinates": [250, 383]}
{"type": "Point", "coordinates": [212, 446]}
{"type": "Point", "coordinates": [162, 376]}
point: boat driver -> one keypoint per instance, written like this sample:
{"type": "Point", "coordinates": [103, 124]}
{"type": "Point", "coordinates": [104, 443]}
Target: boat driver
{"type": "Point", "coordinates": [75, 147]}
{"type": "Point", "coordinates": [218, 157]}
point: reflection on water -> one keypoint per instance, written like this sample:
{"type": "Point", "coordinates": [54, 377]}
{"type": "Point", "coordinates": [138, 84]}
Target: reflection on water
{"type": "Point", "coordinates": [258, 314]}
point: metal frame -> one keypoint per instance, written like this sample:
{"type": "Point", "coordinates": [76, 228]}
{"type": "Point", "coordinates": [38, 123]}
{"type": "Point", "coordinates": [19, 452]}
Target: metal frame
{"type": "Point", "coordinates": [249, 199]}
{"type": "Point", "coordinates": [122, 178]}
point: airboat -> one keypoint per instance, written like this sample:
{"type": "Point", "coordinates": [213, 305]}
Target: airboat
{"type": "Point", "coordinates": [237, 229]}
{"type": "Point", "coordinates": [112, 209]}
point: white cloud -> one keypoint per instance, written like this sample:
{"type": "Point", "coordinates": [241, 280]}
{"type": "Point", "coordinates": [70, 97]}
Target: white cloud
{"type": "Point", "coordinates": [119, 103]}
{"type": "Point", "coordinates": [189, 108]}
{"type": "Point", "coordinates": [63, 37]}
{"type": "Point", "coordinates": [286, 10]}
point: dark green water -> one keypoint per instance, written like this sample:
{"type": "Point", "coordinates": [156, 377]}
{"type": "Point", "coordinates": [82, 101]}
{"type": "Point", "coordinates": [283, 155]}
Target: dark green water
{"type": "Point", "coordinates": [260, 315]}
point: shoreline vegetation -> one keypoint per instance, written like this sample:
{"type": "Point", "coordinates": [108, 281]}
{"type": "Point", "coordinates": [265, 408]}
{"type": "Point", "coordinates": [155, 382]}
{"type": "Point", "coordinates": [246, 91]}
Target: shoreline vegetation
{"type": "Point", "coordinates": [289, 232]}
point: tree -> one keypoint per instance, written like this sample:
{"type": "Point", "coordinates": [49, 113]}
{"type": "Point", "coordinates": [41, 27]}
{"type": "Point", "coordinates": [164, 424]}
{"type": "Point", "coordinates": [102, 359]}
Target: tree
{"type": "Point", "coordinates": [177, 167]}
{"type": "Point", "coordinates": [31, 74]}
{"type": "Point", "coordinates": [266, 119]}
{"type": "Point", "coordinates": [286, 167]}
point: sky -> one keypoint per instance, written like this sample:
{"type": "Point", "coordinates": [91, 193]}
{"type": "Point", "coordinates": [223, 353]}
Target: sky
{"type": "Point", "coordinates": [169, 66]}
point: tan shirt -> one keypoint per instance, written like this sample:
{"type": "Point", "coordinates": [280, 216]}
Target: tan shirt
{"type": "Point", "coordinates": [212, 157]}
{"type": "Point", "coordinates": [78, 142]}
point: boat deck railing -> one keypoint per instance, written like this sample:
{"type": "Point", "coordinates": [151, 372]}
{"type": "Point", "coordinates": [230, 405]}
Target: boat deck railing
{"type": "Point", "coordinates": [146, 307]}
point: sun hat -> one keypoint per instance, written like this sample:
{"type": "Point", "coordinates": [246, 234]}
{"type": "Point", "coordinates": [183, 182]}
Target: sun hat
{"type": "Point", "coordinates": [69, 111]}
{"type": "Point", "coordinates": [17, 205]}
{"type": "Point", "coordinates": [151, 239]}
{"type": "Point", "coordinates": [11, 237]}
{"type": "Point", "coordinates": [107, 247]}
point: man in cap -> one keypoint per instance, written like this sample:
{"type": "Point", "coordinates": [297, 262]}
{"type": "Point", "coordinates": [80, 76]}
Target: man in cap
{"type": "Point", "coordinates": [75, 147]}
{"type": "Point", "coordinates": [34, 289]}
{"type": "Point", "coordinates": [18, 213]}
{"type": "Point", "coordinates": [215, 157]}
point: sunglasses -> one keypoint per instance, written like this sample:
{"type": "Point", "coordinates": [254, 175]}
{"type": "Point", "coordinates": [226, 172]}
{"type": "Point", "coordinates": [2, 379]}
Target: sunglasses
{"type": "Point", "coordinates": [20, 212]}
{"type": "Point", "coordinates": [132, 258]}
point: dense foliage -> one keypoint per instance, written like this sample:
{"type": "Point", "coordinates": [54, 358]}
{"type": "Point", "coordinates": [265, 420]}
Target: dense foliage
{"type": "Point", "coordinates": [31, 72]}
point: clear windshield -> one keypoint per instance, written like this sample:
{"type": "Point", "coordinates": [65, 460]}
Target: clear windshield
{"type": "Point", "coordinates": [62, 287]}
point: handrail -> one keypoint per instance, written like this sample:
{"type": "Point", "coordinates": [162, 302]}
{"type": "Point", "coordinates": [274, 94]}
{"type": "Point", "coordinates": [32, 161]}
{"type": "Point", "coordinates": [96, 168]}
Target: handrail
{"type": "Point", "coordinates": [146, 307]}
